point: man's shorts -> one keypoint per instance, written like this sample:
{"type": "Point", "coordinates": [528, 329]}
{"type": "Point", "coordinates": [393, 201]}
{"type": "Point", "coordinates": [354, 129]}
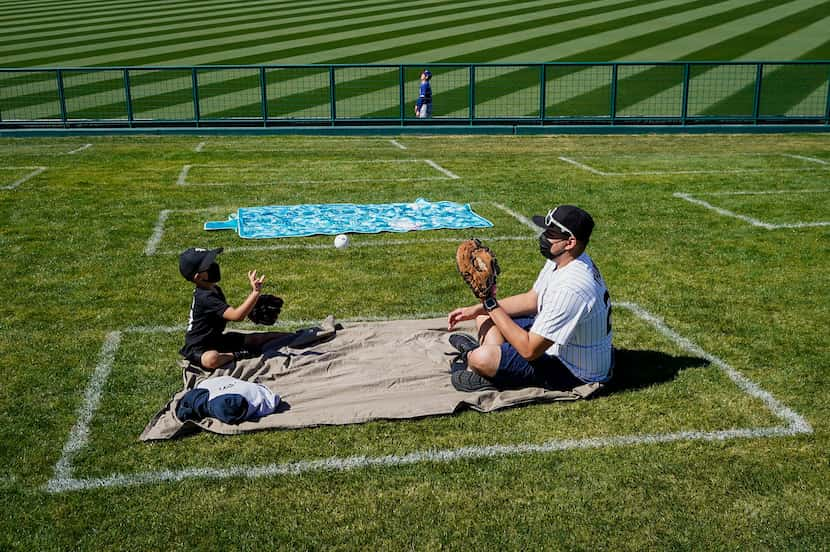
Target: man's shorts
{"type": "Point", "coordinates": [227, 343]}
{"type": "Point", "coordinates": [546, 371]}
{"type": "Point", "coordinates": [426, 111]}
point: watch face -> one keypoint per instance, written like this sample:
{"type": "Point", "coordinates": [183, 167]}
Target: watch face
{"type": "Point", "coordinates": [490, 303]}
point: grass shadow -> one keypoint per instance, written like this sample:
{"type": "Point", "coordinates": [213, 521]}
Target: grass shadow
{"type": "Point", "coordinates": [637, 369]}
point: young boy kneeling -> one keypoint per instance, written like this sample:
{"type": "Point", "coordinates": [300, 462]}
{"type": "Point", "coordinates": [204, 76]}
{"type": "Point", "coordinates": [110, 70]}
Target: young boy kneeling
{"type": "Point", "coordinates": [205, 343]}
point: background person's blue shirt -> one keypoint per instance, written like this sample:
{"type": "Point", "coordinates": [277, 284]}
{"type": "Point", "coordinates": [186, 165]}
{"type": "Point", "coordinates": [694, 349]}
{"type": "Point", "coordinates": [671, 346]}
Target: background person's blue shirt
{"type": "Point", "coordinates": [424, 95]}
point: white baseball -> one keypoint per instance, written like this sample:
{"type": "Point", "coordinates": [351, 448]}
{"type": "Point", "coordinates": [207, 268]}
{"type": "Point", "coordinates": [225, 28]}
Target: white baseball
{"type": "Point", "coordinates": [341, 241]}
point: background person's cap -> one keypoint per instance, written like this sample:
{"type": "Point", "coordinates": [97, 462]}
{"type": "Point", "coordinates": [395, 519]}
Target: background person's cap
{"type": "Point", "coordinates": [195, 260]}
{"type": "Point", "coordinates": [567, 219]}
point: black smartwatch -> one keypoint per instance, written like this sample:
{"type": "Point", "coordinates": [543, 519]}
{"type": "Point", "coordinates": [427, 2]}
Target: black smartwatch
{"type": "Point", "coordinates": [490, 303]}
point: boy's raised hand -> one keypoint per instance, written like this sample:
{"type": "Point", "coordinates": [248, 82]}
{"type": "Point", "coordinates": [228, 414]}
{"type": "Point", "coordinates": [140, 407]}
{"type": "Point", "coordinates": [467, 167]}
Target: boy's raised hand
{"type": "Point", "coordinates": [256, 283]}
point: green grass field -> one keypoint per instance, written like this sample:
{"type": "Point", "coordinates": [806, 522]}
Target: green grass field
{"type": "Point", "coordinates": [678, 457]}
{"type": "Point", "coordinates": [715, 250]}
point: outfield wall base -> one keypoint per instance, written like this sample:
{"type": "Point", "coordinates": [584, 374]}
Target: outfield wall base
{"type": "Point", "coordinates": [421, 129]}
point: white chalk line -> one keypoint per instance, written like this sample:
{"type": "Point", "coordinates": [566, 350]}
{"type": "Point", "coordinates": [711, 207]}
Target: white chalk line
{"type": "Point", "coordinates": [594, 170]}
{"type": "Point", "coordinates": [796, 422]}
{"type": "Point", "coordinates": [805, 158]}
{"type": "Point", "coordinates": [439, 168]}
{"type": "Point", "coordinates": [521, 218]}
{"type": "Point", "coordinates": [79, 435]}
{"type": "Point", "coordinates": [63, 481]}
{"type": "Point", "coordinates": [397, 144]}
{"type": "Point", "coordinates": [182, 178]}
{"type": "Point", "coordinates": [584, 167]}
{"type": "Point", "coordinates": [337, 181]}
{"type": "Point", "coordinates": [393, 460]}
{"type": "Point", "coordinates": [158, 233]}
{"type": "Point", "coordinates": [751, 220]}
{"type": "Point", "coordinates": [317, 145]}
{"type": "Point", "coordinates": [151, 247]}
{"type": "Point", "coordinates": [78, 150]}
{"type": "Point", "coordinates": [200, 147]}
{"type": "Point", "coordinates": [18, 182]}
{"type": "Point", "coordinates": [762, 192]}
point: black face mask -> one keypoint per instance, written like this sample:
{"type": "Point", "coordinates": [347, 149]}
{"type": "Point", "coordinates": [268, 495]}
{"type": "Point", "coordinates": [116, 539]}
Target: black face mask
{"type": "Point", "coordinates": [213, 275]}
{"type": "Point", "coordinates": [544, 248]}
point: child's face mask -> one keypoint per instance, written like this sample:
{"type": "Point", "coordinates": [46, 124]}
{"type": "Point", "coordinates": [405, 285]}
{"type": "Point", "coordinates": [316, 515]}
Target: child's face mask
{"type": "Point", "coordinates": [213, 273]}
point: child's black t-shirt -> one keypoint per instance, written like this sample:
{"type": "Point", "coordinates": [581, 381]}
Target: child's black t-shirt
{"type": "Point", "coordinates": [206, 323]}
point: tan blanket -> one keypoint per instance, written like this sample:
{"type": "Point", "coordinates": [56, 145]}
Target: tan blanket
{"type": "Point", "coordinates": [367, 371]}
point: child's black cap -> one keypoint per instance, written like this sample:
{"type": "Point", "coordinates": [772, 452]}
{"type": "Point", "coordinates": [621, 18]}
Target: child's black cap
{"type": "Point", "coordinates": [195, 260]}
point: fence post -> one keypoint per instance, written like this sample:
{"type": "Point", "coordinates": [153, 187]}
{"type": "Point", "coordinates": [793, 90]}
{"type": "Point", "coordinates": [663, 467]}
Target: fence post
{"type": "Point", "coordinates": [128, 97]}
{"type": "Point", "coordinates": [613, 106]}
{"type": "Point", "coordinates": [61, 95]}
{"type": "Point", "coordinates": [332, 96]}
{"type": "Point", "coordinates": [402, 99]}
{"type": "Point", "coordinates": [263, 91]}
{"type": "Point", "coordinates": [684, 108]}
{"type": "Point", "coordinates": [543, 84]}
{"type": "Point", "coordinates": [472, 93]}
{"type": "Point", "coordinates": [756, 103]}
{"type": "Point", "coordinates": [827, 111]}
{"type": "Point", "coordinates": [195, 85]}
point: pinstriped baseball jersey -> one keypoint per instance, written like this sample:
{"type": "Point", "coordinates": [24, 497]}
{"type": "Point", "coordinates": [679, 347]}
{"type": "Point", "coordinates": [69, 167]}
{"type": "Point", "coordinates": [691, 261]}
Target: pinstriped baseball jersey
{"type": "Point", "coordinates": [574, 312]}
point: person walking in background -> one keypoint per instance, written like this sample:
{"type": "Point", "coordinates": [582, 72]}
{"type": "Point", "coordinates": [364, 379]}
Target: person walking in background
{"type": "Point", "coordinates": [423, 108]}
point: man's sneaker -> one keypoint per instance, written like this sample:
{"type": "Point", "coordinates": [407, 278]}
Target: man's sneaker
{"type": "Point", "coordinates": [463, 342]}
{"type": "Point", "coordinates": [470, 382]}
{"type": "Point", "coordinates": [458, 362]}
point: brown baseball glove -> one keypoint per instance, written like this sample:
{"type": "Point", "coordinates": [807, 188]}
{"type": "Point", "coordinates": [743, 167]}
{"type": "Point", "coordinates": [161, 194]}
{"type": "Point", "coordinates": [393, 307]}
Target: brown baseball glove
{"type": "Point", "coordinates": [478, 266]}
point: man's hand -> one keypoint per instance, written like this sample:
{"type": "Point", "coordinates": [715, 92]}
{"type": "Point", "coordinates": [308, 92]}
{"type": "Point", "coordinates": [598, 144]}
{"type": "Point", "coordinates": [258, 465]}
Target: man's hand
{"type": "Point", "coordinates": [462, 314]}
{"type": "Point", "coordinates": [256, 283]}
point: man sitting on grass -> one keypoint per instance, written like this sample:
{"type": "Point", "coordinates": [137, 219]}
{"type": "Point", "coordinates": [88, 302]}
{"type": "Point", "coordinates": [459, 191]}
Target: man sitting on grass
{"type": "Point", "coordinates": [555, 335]}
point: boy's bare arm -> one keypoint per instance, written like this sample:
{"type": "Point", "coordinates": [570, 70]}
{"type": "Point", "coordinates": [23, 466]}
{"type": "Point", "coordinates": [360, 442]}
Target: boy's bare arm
{"type": "Point", "coordinates": [237, 314]}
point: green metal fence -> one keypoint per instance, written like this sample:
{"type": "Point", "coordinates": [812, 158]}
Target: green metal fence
{"type": "Point", "coordinates": [669, 93]}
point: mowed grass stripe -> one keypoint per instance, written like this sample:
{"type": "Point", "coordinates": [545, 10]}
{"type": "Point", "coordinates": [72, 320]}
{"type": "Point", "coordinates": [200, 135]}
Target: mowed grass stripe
{"type": "Point", "coordinates": [234, 26]}
{"type": "Point", "coordinates": [102, 17]}
{"type": "Point", "coordinates": [232, 12]}
{"type": "Point", "coordinates": [254, 36]}
{"type": "Point", "coordinates": [485, 32]}
{"type": "Point", "coordinates": [72, 11]}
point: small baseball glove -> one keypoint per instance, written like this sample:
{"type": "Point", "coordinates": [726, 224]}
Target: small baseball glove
{"type": "Point", "coordinates": [478, 266]}
{"type": "Point", "coordinates": [266, 310]}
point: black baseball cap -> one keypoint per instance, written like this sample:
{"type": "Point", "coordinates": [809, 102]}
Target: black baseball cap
{"type": "Point", "coordinates": [195, 260]}
{"type": "Point", "coordinates": [567, 219]}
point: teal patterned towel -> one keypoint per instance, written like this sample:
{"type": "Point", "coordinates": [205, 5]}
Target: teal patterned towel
{"type": "Point", "coordinates": [287, 221]}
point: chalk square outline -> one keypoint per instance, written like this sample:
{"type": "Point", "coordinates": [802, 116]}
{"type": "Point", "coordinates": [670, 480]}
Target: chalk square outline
{"type": "Point", "coordinates": [181, 180]}
{"type": "Point", "coordinates": [200, 147]}
{"type": "Point", "coordinates": [51, 150]}
{"type": "Point", "coordinates": [599, 172]}
{"type": "Point", "coordinates": [751, 220]}
{"type": "Point", "coordinates": [151, 247]}
{"type": "Point", "coordinates": [64, 481]}
{"type": "Point", "coordinates": [37, 171]}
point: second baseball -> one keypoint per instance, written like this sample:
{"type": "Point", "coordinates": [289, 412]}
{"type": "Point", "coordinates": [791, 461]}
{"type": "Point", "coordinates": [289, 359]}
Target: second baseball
{"type": "Point", "coordinates": [341, 241]}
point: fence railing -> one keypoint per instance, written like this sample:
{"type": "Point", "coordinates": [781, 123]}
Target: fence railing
{"type": "Point", "coordinates": [673, 93]}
